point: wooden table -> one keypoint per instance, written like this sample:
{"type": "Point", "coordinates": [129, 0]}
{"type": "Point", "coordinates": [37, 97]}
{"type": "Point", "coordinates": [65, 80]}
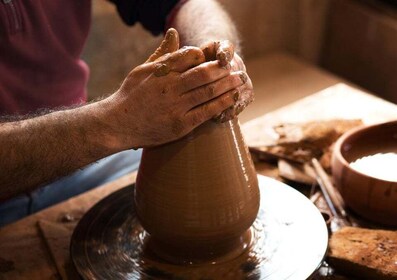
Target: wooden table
{"type": "Point", "coordinates": [24, 253]}
{"type": "Point", "coordinates": [25, 245]}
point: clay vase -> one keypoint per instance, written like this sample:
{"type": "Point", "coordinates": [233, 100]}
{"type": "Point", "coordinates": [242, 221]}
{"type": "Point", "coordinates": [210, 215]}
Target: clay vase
{"type": "Point", "coordinates": [197, 197]}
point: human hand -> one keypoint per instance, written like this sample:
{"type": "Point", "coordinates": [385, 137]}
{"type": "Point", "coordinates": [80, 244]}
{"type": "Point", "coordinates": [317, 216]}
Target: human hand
{"type": "Point", "coordinates": [172, 93]}
{"type": "Point", "coordinates": [223, 52]}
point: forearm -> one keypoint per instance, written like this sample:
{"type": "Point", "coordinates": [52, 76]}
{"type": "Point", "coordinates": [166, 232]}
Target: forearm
{"type": "Point", "coordinates": [159, 101]}
{"type": "Point", "coordinates": [38, 150]}
{"type": "Point", "coordinates": [204, 23]}
{"type": "Point", "coordinates": [201, 21]}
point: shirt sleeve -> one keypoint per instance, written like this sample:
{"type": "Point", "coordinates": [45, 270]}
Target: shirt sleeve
{"type": "Point", "coordinates": [152, 14]}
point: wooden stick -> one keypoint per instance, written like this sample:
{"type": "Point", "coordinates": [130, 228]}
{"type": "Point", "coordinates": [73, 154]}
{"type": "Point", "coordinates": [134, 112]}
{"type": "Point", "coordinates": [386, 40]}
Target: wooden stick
{"type": "Point", "coordinates": [333, 193]}
{"type": "Point", "coordinates": [332, 197]}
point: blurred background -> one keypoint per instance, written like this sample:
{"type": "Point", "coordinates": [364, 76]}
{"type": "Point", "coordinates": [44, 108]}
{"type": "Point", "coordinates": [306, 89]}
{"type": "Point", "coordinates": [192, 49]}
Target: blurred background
{"type": "Point", "coordinates": [344, 40]}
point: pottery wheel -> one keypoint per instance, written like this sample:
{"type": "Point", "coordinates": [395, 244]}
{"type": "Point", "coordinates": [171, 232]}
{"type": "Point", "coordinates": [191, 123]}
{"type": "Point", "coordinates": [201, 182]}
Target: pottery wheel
{"type": "Point", "coordinates": [289, 241]}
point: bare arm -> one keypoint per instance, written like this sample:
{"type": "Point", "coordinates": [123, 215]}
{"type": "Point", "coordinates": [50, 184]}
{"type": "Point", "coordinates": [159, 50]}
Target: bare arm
{"type": "Point", "coordinates": [203, 21]}
{"type": "Point", "coordinates": [159, 101]}
{"type": "Point", "coordinates": [39, 149]}
{"type": "Point", "coordinates": [205, 24]}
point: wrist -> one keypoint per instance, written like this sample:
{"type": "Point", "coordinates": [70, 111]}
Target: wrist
{"type": "Point", "coordinates": [101, 125]}
{"type": "Point", "coordinates": [113, 122]}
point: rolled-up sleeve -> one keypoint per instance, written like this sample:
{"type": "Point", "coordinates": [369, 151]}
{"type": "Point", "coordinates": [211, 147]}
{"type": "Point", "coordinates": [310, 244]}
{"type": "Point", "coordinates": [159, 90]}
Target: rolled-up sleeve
{"type": "Point", "coordinates": [152, 14]}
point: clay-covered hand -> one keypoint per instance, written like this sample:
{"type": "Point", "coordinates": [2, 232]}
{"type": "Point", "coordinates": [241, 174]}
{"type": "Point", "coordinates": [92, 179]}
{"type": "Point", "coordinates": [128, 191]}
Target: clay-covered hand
{"type": "Point", "coordinates": [223, 52]}
{"type": "Point", "coordinates": [173, 92]}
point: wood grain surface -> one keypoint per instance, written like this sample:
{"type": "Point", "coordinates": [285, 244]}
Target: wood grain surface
{"type": "Point", "coordinates": [25, 253]}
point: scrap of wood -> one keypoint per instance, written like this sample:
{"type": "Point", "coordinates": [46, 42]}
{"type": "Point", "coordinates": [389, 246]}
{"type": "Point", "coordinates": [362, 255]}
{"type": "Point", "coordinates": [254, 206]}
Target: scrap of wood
{"type": "Point", "coordinates": [301, 173]}
{"type": "Point", "coordinates": [57, 239]}
{"type": "Point", "coordinates": [300, 142]}
{"type": "Point", "coordinates": [364, 253]}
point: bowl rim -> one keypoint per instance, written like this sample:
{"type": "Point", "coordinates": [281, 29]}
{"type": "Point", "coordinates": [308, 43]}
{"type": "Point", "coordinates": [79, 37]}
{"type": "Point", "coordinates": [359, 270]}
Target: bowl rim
{"type": "Point", "coordinates": [337, 151]}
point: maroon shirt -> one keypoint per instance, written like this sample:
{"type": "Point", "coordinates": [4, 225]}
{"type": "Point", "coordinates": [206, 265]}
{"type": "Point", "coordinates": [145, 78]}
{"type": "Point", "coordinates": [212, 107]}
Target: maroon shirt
{"type": "Point", "coordinates": [41, 44]}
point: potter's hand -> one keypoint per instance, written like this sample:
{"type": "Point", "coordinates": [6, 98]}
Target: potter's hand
{"type": "Point", "coordinates": [172, 93]}
{"type": "Point", "coordinates": [223, 52]}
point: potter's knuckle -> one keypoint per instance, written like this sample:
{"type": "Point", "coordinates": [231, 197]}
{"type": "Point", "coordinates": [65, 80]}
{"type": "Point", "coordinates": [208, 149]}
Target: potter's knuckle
{"type": "Point", "coordinates": [194, 51]}
{"type": "Point", "coordinates": [165, 57]}
{"type": "Point", "coordinates": [131, 74]}
{"type": "Point", "coordinates": [139, 69]}
{"type": "Point", "coordinates": [199, 55]}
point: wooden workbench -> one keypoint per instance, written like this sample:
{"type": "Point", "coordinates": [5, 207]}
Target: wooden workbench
{"type": "Point", "coordinates": [25, 249]}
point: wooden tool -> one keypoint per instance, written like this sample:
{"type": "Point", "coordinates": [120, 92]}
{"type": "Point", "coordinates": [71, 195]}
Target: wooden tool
{"type": "Point", "coordinates": [332, 197]}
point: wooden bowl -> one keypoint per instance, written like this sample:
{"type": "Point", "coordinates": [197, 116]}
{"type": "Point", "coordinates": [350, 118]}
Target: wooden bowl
{"type": "Point", "coordinates": [372, 198]}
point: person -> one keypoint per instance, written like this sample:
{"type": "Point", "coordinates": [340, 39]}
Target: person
{"type": "Point", "coordinates": [54, 145]}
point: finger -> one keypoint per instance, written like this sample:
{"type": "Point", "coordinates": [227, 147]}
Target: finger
{"type": "Point", "coordinates": [179, 61]}
{"type": "Point", "coordinates": [208, 92]}
{"type": "Point", "coordinates": [212, 108]}
{"type": "Point", "coordinates": [200, 75]}
{"type": "Point", "coordinates": [209, 50]}
{"type": "Point", "coordinates": [223, 51]}
{"type": "Point", "coordinates": [169, 44]}
{"type": "Point", "coordinates": [236, 109]}
{"type": "Point", "coordinates": [246, 96]}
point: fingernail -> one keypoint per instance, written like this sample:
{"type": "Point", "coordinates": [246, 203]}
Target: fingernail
{"type": "Point", "coordinates": [236, 95]}
{"type": "Point", "coordinates": [243, 77]}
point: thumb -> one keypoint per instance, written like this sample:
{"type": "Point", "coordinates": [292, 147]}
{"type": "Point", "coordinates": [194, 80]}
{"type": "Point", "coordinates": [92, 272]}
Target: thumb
{"type": "Point", "coordinates": [169, 44]}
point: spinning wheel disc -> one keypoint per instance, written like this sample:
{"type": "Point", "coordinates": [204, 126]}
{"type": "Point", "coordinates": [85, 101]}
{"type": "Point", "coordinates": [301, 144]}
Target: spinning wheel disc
{"type": "Point", "coordinates": [289, 241]}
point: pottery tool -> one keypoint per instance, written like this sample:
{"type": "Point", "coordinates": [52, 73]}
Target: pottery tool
{"type": "Point", "coordinates": [296, 172]}
{"type": "Point", "coordinates": [57, 240]}
{"type": "Point", "coordinates": [331, 195]}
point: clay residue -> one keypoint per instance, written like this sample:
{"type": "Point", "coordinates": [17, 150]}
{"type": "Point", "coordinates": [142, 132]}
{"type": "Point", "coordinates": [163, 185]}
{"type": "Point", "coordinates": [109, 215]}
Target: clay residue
{"type": "Point", "coordinates": [161, 69]}
{"type": "Point", "coordinates": [222, 51]}
{"type": "Point", "coordinates": [300, 142]}
{"type": "Point", "coordinates": [169, 44]}
{"type": "Point", "coordinates": [225, 53]}
{"type": "Point", "coordinates": [243, 99]}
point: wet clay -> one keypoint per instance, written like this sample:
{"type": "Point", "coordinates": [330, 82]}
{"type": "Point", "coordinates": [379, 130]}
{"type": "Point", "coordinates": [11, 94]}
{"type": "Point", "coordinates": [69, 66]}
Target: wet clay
{"type": "Point", "coordinates": [242, 101]}
{"type": "Point", "coordinates": [198, 196]}
{"type": "Point", "coordinates": [288, 238]}
{"type": "Point", "coordinates": [169, 44]}
{"type": "Point", "coordinates": [161, 69]}
{"type": "Point", "coordinates": [222, 51]}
